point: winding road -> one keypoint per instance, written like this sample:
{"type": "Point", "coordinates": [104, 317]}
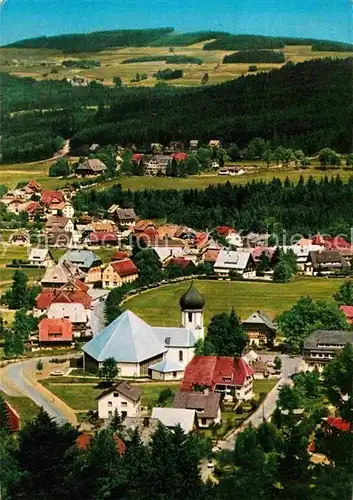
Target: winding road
{"type": "Point", "coordinates": [16, 381]}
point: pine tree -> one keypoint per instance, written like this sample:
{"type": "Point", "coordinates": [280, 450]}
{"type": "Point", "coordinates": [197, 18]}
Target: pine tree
{"type": "Point", "coordinates": [4, 423]}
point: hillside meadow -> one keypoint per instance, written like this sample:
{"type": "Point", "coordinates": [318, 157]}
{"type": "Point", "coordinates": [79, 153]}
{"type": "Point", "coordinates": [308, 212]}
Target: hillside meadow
{"type": "Point", "coordinates": [45, 64]}
{"type": "Point", "coordinates": [220, 296]}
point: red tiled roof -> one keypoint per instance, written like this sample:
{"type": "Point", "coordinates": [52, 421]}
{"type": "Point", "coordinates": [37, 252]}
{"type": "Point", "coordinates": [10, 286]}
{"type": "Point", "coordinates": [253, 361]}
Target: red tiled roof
{"type": "Point", "coordinates": [124, 267]}
{"type": "Point", "coordinates": [80, 285]}
{"type": "Point", "coordinates": [48, 197]}
{"type": "Point", "coordinates": [257, 252]}
{"type": "Point", "coordinates": [180, 262]}
{"type": "Point", "coordinates": [13, 419]}
{"type": "Point", "coordinates": [34, 185]}
{"type": "Point", "coordinates": [33, 206]}
{"type": "Point", "coordinates": [50, 296]}
{"type": "Point", "coordinates": [213, 370]}
{"type": "Point", "coordinates": [55, 330]}
{"type": "Point", "coordinates": [119, 255]}
{"type": "Point", "coordinates": [101, 236]}
{"type": "Point", "coordinates": [85, 438]}
{"type": "Point", "coordinates": [348, 311]}
{"type": "Point", "coordinates": [339, 423]}
{"type": "Point", "coordinates": [179, 156]}
{"type": "Point", "coordinates": [210, 255]}
{"type": "Point", "coordinates": [136, 157]}
{"type": "Point", "coordinates": [142, 225]}
{"type": "Point", "coordinates": [223, 230]}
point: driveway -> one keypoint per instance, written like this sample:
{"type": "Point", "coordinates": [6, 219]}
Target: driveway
{"type": "Point", "coordinates": [16, 381]}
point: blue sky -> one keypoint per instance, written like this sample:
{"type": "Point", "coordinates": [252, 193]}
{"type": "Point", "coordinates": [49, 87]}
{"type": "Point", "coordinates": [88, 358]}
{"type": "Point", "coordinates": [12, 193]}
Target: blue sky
{"type": "Point", "coordinates": [328, 19]}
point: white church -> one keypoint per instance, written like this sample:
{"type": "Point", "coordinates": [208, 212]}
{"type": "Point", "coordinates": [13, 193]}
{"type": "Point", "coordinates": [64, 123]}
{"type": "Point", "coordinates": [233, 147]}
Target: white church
{"type": "Point", "coordinates": [143, 350]}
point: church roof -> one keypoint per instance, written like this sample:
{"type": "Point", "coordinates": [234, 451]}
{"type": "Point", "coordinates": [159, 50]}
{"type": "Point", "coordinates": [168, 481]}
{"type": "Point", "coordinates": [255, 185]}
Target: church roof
{"type": "Point", "coordinates": [192, 299]}
{"type": "Point", "coordinates": [128, 339]}
{"type": "Point", "coordinates": [175, 337]}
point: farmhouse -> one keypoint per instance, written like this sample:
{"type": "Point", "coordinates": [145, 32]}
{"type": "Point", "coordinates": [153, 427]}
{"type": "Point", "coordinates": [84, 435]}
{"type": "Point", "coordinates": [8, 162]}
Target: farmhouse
{"type": "Point", "coordinates": [140, 349]}
{"type": "Point", "coordinates": [260, 328]}
{"type": "Point", "coordinates": [20, 238]}
{"type": "Point", "coordinates": [157, 164]}
{"type": "Point", "coordinates": [325, 262]}
{"type": "Point", "coordinates": [91, 167]}
{"type": "Point", "coordinates": [87, 261]}
{"type": "Point", "coordinates": [123, 398]}
{"type": "Point", "coordinates": [60, 275]}
{"type": "Point", "coordinates": [50, 197]}
{"type": "Point", "coordinates": [125, 217]}
{"type": "Point", "coordinates": [59, 223]}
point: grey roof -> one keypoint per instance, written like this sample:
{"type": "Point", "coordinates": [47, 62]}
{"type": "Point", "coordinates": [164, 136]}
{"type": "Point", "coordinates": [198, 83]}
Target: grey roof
{"type": "Point", "coordinates": [232, 259]}
{"type": "Point", "coordinates": [260, 318]}
{"type": "Point", "coordinates": [92, 164]}
{"type": "Point", "coordinates": [62, 273]}
{"type": "Point", "coordinates": [171, 417]}
{"type": "Point", "coordinates": [319, 338]}
{"type": "Point", "coordinates": [125, 213]}
{"type": "Point", "coordinates": [167, 367]}
{"type": "Point", "coordinates": [206, 404]}
{"type": "Point", "coordinates": [128, 339]}
{"type": "Point", "coordinates": [81, 258]}
{"type": "Point", "coordinates": [75, 312]}
{"type": "Point", "coordinates": [177, 337]}
{"type": "Point", "coordinates": [124, 388]}
{"type": "Point", "coordinates": [39, 254]}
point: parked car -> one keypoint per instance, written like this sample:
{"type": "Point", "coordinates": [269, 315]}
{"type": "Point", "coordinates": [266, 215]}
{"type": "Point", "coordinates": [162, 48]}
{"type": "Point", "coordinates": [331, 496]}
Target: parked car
{"type": "Point", "coordinates": [56, 373]}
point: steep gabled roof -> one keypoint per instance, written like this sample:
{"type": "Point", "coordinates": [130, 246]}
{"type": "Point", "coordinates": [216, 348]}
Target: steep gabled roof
{"type": "Point", "coordinates": [128, 339]}
{"type": "Point", "coordinates": [208, 404]}
{"type": "Point", "coordinates": [55, 326]}
{"type": "Point", "coordinates": [129, 391]}
{"type": "Point", "coordinates": [124, 267]}
{"type": "Point", "coordinates": [259, 317]}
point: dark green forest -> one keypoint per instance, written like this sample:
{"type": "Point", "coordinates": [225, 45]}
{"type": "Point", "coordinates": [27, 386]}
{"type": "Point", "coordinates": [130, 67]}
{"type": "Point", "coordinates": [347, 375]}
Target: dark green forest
{"type": "Point", "coordinates": [254, 56]}
{"type": "Point", "coordinates": [101, 40]}
{"type": "Point", "coordinates": [303, 207]}
{"type": "Point", "coordinates": [252, 42]}
{"type": "Point", "coordinates": [95, 41]}
{"type": "Point", "coordinates": [175, 59]}
{"type": "Point", "coordinates": [305, 106]}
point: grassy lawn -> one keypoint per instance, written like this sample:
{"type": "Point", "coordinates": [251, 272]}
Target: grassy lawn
{"type": "Point", "coordinates": [220, 296]}
{"type": "Point", "coordinates": [25, 407]}
{"type": "Point", "coordinates": [82, 396]}
{"type": "Point", "coordinates": [264, 385]}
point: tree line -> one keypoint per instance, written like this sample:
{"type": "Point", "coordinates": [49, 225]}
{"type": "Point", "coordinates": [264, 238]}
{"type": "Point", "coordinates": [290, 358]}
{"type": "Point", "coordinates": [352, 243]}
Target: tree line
{"type": "Point", "coordinates": [304, 208]}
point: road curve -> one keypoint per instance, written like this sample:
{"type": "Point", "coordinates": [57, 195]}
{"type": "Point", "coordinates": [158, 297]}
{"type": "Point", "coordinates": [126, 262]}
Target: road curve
{"type": "Point", "coordinates": [15, 383]}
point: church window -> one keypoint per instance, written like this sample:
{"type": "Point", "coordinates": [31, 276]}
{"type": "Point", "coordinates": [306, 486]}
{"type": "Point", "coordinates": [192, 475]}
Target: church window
{"type": "Point", "coordinates": [190, 316]}
{"type": "Point", "coordinates": [180, 355]}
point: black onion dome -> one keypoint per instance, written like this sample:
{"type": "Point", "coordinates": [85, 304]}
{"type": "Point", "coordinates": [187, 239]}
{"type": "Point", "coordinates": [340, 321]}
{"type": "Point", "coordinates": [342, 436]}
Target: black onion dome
{"type": "Point", "coordinates": [192, 299]}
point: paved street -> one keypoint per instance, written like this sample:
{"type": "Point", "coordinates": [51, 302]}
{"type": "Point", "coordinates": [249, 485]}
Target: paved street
{"type": "Point", "coordinates": [14, 382]}
{"type": "Point", "coordinates": [290, 365]}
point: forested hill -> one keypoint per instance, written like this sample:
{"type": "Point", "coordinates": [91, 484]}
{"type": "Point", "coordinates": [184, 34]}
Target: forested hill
{"type": "Point", "coordinates": [101, 40]}
{"type": "Point", "coordinates": [304, 106]}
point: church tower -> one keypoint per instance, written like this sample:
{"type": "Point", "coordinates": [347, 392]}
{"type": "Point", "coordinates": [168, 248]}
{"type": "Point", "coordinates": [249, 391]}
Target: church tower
{"type": "Point", "coordinates": [191, 305]}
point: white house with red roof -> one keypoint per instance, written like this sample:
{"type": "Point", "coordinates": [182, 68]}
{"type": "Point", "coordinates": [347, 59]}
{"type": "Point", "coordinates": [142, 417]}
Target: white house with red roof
{"type": "Point", "coordinates": [231, 376]}
{"type": "Point", "coordinates": [55, 331]}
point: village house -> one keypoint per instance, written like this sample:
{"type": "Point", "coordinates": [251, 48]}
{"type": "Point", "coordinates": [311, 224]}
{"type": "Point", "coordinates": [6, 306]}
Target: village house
{"type": "Point", "coordinates": [143, 350]}
{"type": "Point", "coordinates": [20, 238]}
{"type": "Point", "coordinates": [34, 209]}
{"type": "Point", "coordinates": [260, 329]}
{"type": "Point", "coordinates": [165, 253]}
{"type": "Point", "coordinates": [193, 144]}
{"type": "Point", "coordinates": [57, 223]}
{"type": "Point", "coordinates": [84, 441]}
{"type": "Point", "coordinates": [101, 239]}
{"type": "Point", "coordinates": [73, 312]}
{"type": "Point", "coordinates": [91, 167]}
{"type": "Point", "coordinates": [235, 262]}
{"type": "Point", "coordinates": [322, 346]}
{"type": "Point", "coordinates": [231, 170]}
{"type": "Point", "coordinates": [33, 187]}
{"type": "Point", "coordinates": [230, 376]}
{"type": "Point", "coordinates": [119, 272]}
{"type": "Point", "coordinates": [187, 266]}
{"type": "Point", "coordinates": [252, 240]}
{"type": "Point", "coordinates": [178, 157]}
{"type": "Point", "coordinates": [40, 257]}
{"type": "Point", "coordinates": [325, 262]}
{"type": "Point", "coordinates": [63, 208]}
{"type": "Point", "coordinates": [55, 332]}
{"type": "Point", "coordinates": [59, 239]}
{"type": "Point", "coordinates": [125, 217]}
{"type": "Point", "coordinates": [173, 417]}
{"type": "Point", "coordinates": [175, 146]}
{"type": "Point", "coordinates": [206, 406]}
{"type": "Point", "coordinates": [87, 261]}
{"type": "Point", "coordinates": [301, 251]}
{"type": "Point", "coordinates": [52, 197]}
{"type": "Point", "coordinates": [156, 165]}
{"type": "Point", "coordinates": [49, 296]}
{"type": "Point", "coordinates": [261, 370]}
{"type": "Point", "coordinates": [123, 398]}
{"type": "Point", "coordinates": [142, 226]}
{"type": "Point", "coordinates": [214, 143]}
{"type": "Point", "coordinates": [348, 312]}
{"type": "Point", "coordinates": [119, 255]}
{"type": "Point", "coordinates": [61, 275]}
{"type": "Point", "coordinates": [231, 236]}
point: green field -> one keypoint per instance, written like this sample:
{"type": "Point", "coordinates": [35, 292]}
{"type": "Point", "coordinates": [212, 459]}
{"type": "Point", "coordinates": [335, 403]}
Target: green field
{"type": "Point", "coordinates": [29, 62]}
{"type": "Point", "coordinates": [25, 407]}
{"type": "Point", "coordinates": [221, 296]}
{"type": "Point", "coordinates": [83, 396]}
